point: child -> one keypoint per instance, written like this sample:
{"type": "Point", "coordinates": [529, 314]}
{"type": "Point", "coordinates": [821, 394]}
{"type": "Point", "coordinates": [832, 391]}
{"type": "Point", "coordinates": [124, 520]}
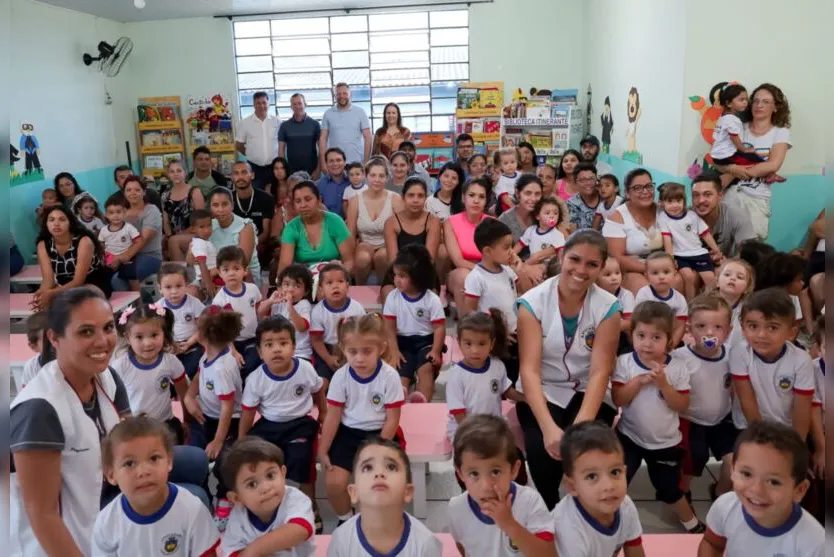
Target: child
{"type": "Point", "coordinates": [282, 390]}
{"type": "Point", "coordinates": [382, 487]}
{"type": "Point", "coordinates": [683, 231]}
{"type": "Point", "coordinates": [356, 177]}
{"type": "Point", "coordinates": [553, 268]}
{"type": "Point", "coordinates": [495, 516]}
{"type": "Point", "coordinates": [609, 190]}
{"type": "Point", "coordinates": [325, 318]}
{"type": "Point", "coordinates": [754, 251]}
{"type": "Point", "coordinates": [545, 239]}
{"type": "Point", "coordinates": [415, 321]}
{"type": "Point", "coordinates": [293, 300]}
{"type": "Point", "coordinates": [270, 517]}
{"type": "Point", "coordinates": [660, 270]}
{"type": "Point", "coordinates": [611, 280]}
{"type": "Point", "coordinates": [49, 197]}
{"type": "Point", "coordinates": [785, 271]}
{"type": "Point", "coordinates": [151, 516]}
{"type": "Point", "coordinates": [762, 516]}
{"type": "Point", "coordinates": [507, 160]}
{"type": "Point", "coordinates": [652, 389]}
{"type": "Point", "coordinates": [186, 309]}
{"type": "Point", "coordinates": [242, 297]}
{"type": "Point", "coordinates": [86, 209]}
{"type": "Point", "coordinates": [707, 424]}
{"type": "Point", "coordinates": [772, 378]}
{"type": "Point", "coordinates": [118, 235]}
{"type": "Point", "coordinates": [364, 400]}
{"type": "Point", "coordinates": [734, 283]}
{"type": "Point", "coordinates": [598, 518]}
{"type": "Point", "coordinates": [35, 328]}
{"type": "Point", "coordinates": [547, 174]}
{"type": "Point", "coordinates": [207, 279]}
{"type": "Point", "coordinates": [147, 369]}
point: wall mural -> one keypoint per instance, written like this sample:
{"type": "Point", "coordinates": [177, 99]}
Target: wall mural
{"type": "Point", "coordinates": [24, 159]}
{"type": "Point", "coordinates": [634, 111]}
{"type": "Point", "coordinates": [710, 111]}
{"type": "Point", "coordinates": [607, 122]}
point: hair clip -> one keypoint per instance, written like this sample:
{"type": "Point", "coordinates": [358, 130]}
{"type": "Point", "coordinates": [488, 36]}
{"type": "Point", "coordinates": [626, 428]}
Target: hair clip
{"type": "Point", "coordinates": [158, 308]}
{"type": "Point", "coordinates": [126, 313]}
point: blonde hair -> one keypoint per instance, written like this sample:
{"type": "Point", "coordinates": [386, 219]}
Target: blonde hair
{"type": "Point", "coordinates": [496, 158]}
{"type": "Point", "coordinates": [751, 275]}
{"type": "Point", "coordinates": [368, 324]}
{"type": "Point", "coordinates": [709, 301]}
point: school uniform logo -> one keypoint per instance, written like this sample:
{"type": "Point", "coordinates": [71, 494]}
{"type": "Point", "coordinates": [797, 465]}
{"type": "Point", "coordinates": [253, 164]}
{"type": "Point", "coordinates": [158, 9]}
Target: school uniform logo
{"type": "Point", "coordinates": [164, 383]}
{"type": "Point", "coordinates": [728, 380]}
{"type": "Point", "coordinates": [299, 391]}
{"type": "Point", "coordinates": [123, 239]}
{"type": "Point", "coordinates": [252, 302]}
{"type": "Point", "coordinates": [785, 383]}
{"type": "Point", "coordinates": [376, 399]}
{"type": "Point", "coordinates": [210, 385]}
{"type": "Point", "coordinates": [170, 543]}
{"type": "Point", "coordinates": [493, 386]}
{"type": "Point", "coordinates": [189, 318]}
{"type": "Point", "coordinates": [688, 228]}
{"type": "Point", "coordinates": [545, 245]}
{"type": "Point", "coordinates": [588, 337]}
{"type": "Point", "coordinates": [420, 312]}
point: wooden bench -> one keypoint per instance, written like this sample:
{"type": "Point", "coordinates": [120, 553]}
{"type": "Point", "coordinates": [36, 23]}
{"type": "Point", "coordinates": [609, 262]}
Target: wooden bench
{"type": "Point", "coordinates": [30, 274]}
{"type": "Point", "coordinates": [19, 304]}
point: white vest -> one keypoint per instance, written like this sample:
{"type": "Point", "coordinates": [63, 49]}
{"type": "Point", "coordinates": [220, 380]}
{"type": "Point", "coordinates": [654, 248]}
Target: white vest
{"type": "Point", "coordinates": [81, 471]}
{"type": "Point", "coordinates": [566, 363]}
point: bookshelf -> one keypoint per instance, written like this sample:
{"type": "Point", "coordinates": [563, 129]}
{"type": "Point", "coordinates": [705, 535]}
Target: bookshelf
{"type": "Point", "coordinates": [160, 133]}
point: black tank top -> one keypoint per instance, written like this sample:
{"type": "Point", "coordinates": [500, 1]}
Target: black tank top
{"type": "Point", "coordinates": [406, 239]}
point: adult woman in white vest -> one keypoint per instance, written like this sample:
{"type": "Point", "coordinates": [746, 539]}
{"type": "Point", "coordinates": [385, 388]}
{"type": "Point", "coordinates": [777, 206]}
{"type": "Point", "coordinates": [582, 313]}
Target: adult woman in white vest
{"type": "Point", "coordinates": [568, 329]}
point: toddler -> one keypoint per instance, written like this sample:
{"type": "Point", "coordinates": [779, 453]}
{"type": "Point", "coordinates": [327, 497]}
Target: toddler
{"type": "Point", "coordinates": [207, 275]}
{"type": "Point", "coordinates": [609, 194]}
{"type": "Point", "coordinates": [356, 178]}
{"type": "Point", "coordinates": [660, 270]}
{"type": "Point", "coordinates": [35, 329]}
{"type": "Point", "coordinates": [185, 309]}
{"type": "Point", "coordinates": [544, 239]}
{"type": "Point", "coordinates": [86, 209]}
{"type": "Point", "coordinates": [734, 283]}
{"type": "Point", "coordinates": [118, 236]}
{"type": "Point", "coordinates": [293, 300]}
{"type": "Point", "coordinates": [507, 160]}
{"type": "Point", "coordinates": [49, 197]}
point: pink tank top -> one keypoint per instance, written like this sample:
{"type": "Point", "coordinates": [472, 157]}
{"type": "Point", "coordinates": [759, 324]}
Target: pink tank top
{"type": "Point", "coordinates": [562, 190]}
{"type": "Point", "coordinates": [465, 235]}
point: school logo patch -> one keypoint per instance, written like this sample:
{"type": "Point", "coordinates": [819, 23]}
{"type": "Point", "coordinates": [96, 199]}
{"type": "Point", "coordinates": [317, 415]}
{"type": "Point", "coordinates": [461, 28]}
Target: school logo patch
{"type": "Point", "coordinates": [493, 386]}
{"type": "Point", "coordinates": [376, 399]}
{"type": "Point", "coordinates": [588, 337]}
{"type": "Point", "coordinates": [252, 302]}
{"type": "Point", "coordinates": [785, 383]}
{"type": "Point", "coordinates": [688, 228]}
{"type": "Point", "coordinates": [728, 380]}
{"type": "Point", "coordinates": [210, 385]}
{"type": "Point", "coordinates": [188, 318]}
{"type": "Point", "coordinates": [299, 391]}
{"type": "Point", "coordinates": [420, 312]}
{"type": "Point", "coordinates": [170, 543]}
{"type": "Point", "coordinates": [164, 383]}
{"type": "Point", "coordinates": [123, 239]}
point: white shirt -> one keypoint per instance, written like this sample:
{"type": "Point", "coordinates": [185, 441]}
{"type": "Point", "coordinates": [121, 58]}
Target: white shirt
{"type": "Point", "coordinates": [304, 308]}
{"type": "Point", "coordinates": [149, 386]}
{"type": "Point", "coordinates": [117, 242]}
{"type": "Point", "coordinates": [686, 232]}
{"type": "Point", "coordinates": [506, 185]}
{"type": "Point", "coordinates": [244, 528]}
{"type": "Point", "coordinates": [800, 536]}
{"type": "Point", "coordinates": [762, 144]}
{"type": "Point", "coordinates": [364, 401]}
{"type": "Point", "coordinates": [494, 290]}
{"type": "Point", "coordinates": [775, 383]}
{"type": "Point", "coordinates": [220, 380]}
{"type": "Point", "coordinates": [674, 300]}
{"type": "Point", "coordinates": [648, 420]}
{"type": "Point", "coordinates": [537, 241]}
{"type": "Point", "coordinates": [479, 535]}
{"type": "Point", "coordinates": [710, 399]}
{"type": "Point", "coordinates": [183, 527]}
{"type": "Point", "coordinates": [475, 390]}
{"type": "Point", "coordinates": [736, 337]}
{"type": "Point", "coordinates": [414, 316]}
{"type": "Point", "coordinates": [185, 316]}
{"type": "Point", "coordinates": [281, 398]}
{"type": "Point", "coordinates": [606, 212]}
{"type": "Point", "coordinates": [438, 208]}
{"type": "Point", "coordinates": [797, 307]}
{"type": "Point", "coordinates": [28, 372]}
{"type": "Point", "coordinates": [203, 250]}
{"type": "Point", "coordinates": [352, 191]}
{"type": "Point", "coordinates": [626, 299]}
{"type": "Point", "coordinates": [819, 383]}
{"type": "Point", "coordinates": [578, 534]}
{"type": "Point", "coordinates": [417, 540]}
{"type": "Point", "coordinates": [260, 138]}
{"type": "Point", "coordinates": [324, 319]}
{"type": "Point", "coordinates": [727, 126]}
{"type": "Point", "coordinates": [245, 304]}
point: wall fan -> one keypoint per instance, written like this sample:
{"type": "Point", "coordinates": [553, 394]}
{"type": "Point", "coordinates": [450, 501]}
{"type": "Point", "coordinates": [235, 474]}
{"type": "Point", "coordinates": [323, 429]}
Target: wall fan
{"type": "Point", "coordinates": [110, 57]}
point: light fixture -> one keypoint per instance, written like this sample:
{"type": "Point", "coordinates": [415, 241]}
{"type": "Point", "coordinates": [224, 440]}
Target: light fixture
{"type": "Point", "coordinates": [139, 4]}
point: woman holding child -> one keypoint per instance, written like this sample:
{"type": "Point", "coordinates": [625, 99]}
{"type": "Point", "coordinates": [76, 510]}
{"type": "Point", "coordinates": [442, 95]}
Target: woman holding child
{"type": "Point", "coordinates": [144, 257]}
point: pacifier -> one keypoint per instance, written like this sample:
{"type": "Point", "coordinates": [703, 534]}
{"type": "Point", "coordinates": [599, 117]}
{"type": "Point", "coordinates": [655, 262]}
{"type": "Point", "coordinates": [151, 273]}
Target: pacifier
{"type": "Point", "coordinates": [551, 223]}
{"type": "Point", "coordinates": [709, 342]}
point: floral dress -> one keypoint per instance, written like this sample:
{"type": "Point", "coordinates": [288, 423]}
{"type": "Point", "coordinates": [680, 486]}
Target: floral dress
{"type": "Point", "coordinates": [178, 211]}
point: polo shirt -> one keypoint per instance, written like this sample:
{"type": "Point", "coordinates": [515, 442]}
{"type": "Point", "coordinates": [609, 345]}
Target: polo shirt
{"type": "Point", "coordinates": [345, 129]}
{"type": "Point", "coordinates": [332, 192]}
{"type": "Point", "coordinates": [302, 140]}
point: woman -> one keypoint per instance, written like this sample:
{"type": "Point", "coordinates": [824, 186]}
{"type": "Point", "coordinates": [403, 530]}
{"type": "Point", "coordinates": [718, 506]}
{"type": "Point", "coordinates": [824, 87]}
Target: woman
{"type": "Point", "coordinates": [57, 424]}
{"type": "Point", "coordinates": [229, 229]}
{"type": "Point", "coordinates": [316, 235]}
{"type": "Point", "coordinates": [284, 213]}
{"type": "Point", "coordinates": [144, 257]}
{"type": "Point", "coordinates": [632, 232]}
{"type": "Point", "coordinates": [392, 133]}
{"type": "Point", "coordinates": [69, 256]}
{"type": "Point", "coordinates": [366, 217]}
{"type": "Point", "coordinates": [401, 168]}
{"type": "Point", "coordinates": [565, 184]}
{"type": "Point", "coordinates": [477, 166]}
{"type": "Point", "coordinates": [178, 202]}
{"type": "Point", "coordinates": [67, 188]}
{"type": "Point", "coordinates": [768, 133]}
{"type": "Point", "coordinates": [527, 154]}
{"type": "Point", "coordinates": [447, 200]}
{"type": "Point", "coordinates": [279, 187]}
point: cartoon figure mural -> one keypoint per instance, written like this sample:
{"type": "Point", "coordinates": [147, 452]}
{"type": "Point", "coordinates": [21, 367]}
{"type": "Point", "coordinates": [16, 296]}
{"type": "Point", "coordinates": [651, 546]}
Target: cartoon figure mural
{"type": "Point", "coordinates": [709, 117]}
{"type": "Point", "coordinates": [634, 111]}
{"type": "Point", "coordinates": [607, 122]}
{"type": "Point", "coordinates": [30, 148]}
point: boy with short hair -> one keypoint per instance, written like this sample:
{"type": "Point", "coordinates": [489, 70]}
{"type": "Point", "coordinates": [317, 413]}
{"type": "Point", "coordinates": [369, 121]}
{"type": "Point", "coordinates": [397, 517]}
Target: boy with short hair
{"type": "Point", "coordinates": [118, 235]}
{"type": "Point", "coordinates": [35, 326]}
{"type": "Point", "coordinates": [495, 517]}
{"type": "Point", "coordinates": [762, 516]}
{"type": "Point", "coordinates": [660, 271]}
{"type": "Point", "coordinates": [598, 517]}
{"type": "Point", "coordinates": [204, 252]}
{"type": "Point", "coordinates": [269, 517]}
{"type": "Point", "coordinates": [356, 177]}
{"type": "Point", "coordinates": [507, 159]}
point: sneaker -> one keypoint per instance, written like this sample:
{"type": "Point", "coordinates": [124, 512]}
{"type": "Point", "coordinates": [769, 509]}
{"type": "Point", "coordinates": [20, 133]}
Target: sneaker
{"type": "Point", "coordinates": [222, 510]}
{"type": "Point", "coordinates": [319, 524]}
{"type": "Point", "coordinates": [417, 398]}
{"type": "Point", "coordinates": [699, 529]}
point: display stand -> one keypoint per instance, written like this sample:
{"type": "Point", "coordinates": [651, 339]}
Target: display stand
{"type": "Point", "coordinates": [433, 150]}
{"type": "Point", "coordinates": [478, 113]}
{"type": "Point", "coordinates": [209, 123]}
{"type": "Point", "coordinates": [550, 126]}
{"type": "Point", "coordinates": [160, 135]}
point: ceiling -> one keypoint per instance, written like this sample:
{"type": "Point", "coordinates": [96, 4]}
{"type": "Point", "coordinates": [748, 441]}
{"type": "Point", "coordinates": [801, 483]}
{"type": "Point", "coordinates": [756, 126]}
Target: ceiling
{"type": "Point", "coordinates": [125, 11]}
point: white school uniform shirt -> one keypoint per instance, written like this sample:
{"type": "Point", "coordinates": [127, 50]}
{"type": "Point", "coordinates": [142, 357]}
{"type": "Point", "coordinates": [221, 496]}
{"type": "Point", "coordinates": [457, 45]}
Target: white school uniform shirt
{"type": "Point", "coordinates": [438, 208]}
{"type": "Point", "coordinates": [244, 527]}
{"type": "Point", "coordinates": [303, 348]}
{"type": "Point", "coordinates": [648, 420]}
{"type": "Point", "coordinates": [673, 299]}
{"type": "Point", "coordinates": [479, 535]}
{"type": "Point", "coordinates": [736, 337]}
{"type": "Point", "coordinates": [578, 534]}
{"type": "Point", "coordinates": [203, 250]}
{"type": "Point", "coordinates": [710, 397]}
{"type": "Point", "coordinates": [260, 138]}
{"type": "Point", "coordinates": [183, 527]}
{"type": "Point", "coordinates": [819, 383]}
{"type": "Point", "coordinates": [727, 126]}
{"type": "Point", "coordinates": [506, 185]}
{"type": "Point", "coordinates": [281, 398]}
{"type": "Point", "coordinates": [28, 372]}
{"type": "Point", "coordinates": [537, 241]}
{"type": "Point", "coordinates": [220, 380]}
{"type": "Point", "coordinates": [185, 316]}
{"type": "Point", "coordinates": [626, 299]}
{"type": "Point", "coordinates": [686, 232]}
{"type": "Point", "coordinates": [324, 319]}
{"type": "Point", "coordinates": [494, 290]}
{"type": "Point", "coordinates": [352, 191]}
{"type": "Point", "coordinates": [797, 307]}
{"type": "Point", "coordinates": [775, 383]}
{"type": "Point", "coordinates": [364, 400]}
{"type": "Point", "coordinates": [606, 212]}
{"type": "Point", "coordinates": [800, 536]}
{"type": "Point", "coordinates": [149, 386]}
{"type": "Point", "coordinates": [417, 541]}
{"type": "Point", "coordinates": [117, 242]}
{"type": "Point", "coordinates": [475, 390]}
{"type": "Point", "coordinates": [245, 304]}
{"type": "Point", "coordinates": [414, 316]}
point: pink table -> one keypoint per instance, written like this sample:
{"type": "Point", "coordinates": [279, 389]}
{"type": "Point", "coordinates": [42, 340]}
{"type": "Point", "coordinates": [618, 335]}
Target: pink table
{"type": "Point", "coordinates": [19, 303]}
{"type": "Point", "coordinates": [30, 274]}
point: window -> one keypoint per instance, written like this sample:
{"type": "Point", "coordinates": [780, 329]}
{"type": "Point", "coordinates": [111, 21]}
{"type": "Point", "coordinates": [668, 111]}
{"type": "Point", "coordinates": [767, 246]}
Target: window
{"type": "Point", "coordinates": [414, 59]}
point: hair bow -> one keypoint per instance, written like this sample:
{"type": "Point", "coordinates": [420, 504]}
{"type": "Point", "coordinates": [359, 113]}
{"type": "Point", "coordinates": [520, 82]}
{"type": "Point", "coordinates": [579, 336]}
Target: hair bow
{"type": "Point", "coordinates": [126, 313]}
{"type": "Point", "coordinates": [158, 308]}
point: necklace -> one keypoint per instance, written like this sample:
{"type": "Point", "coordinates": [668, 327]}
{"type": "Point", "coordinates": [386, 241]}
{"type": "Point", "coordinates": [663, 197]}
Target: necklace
{"type": "Point", "coordinates": [248, 209]}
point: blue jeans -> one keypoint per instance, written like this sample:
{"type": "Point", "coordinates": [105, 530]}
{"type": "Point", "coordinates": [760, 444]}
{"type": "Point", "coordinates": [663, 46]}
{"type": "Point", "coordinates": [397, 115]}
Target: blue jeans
{"type": "Point", "coordinates": [140, 268]}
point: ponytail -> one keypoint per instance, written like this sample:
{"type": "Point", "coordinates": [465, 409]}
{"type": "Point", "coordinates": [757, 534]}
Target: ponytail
{"type": "Point", "coordinates": [491, 322]}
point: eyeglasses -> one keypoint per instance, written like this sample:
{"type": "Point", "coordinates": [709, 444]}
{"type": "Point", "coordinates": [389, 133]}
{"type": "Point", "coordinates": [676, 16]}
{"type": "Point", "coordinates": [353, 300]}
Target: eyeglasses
{"type": "Point", "coordinates": [764, 102]}
{"type": "Point", "coordinates": [639, 188]}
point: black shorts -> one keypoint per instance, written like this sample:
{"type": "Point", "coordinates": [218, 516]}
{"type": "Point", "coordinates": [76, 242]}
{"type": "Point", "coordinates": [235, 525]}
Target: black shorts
{"type": "Point", "coordinates": [816, 265]}
{"type": "Point", "coordinates": [701, 440]}
{"type": "Point", "coordinates": [321, 366]}
{"type": "Point", "coordinates": [297, 439]}
{"type": "Point", "coordinates": [664, 466]}
{"type": "Point", "coordinates": [698, 263]}
{"type": "Point", "coordinates": [415, 349]}
{"type": "Point", "coordinates": [347, 441]}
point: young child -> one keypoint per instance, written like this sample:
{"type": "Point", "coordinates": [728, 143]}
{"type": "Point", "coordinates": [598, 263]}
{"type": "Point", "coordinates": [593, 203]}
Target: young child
{"type": "Point", "coordinates": [547, 174]}
{"type": "Point", "coordinates": [762, 516]}
{"type": "Point", "coordinates": [35, 326]}
{"type": "Point", "coordinates": [544, 239]}
{"type": "Point", "coordinates": [382, 487]}
{"type": "Point", "coordinates": [118, 235]}
{"type": "Point", "coordinates": [186, 309]}
{"type": "Point", "coordinates": [325, 318]}
{"type": "Point", "coordinates": [147, 369]}
{"type": "Point", "coordinates": [734, 283]}
{"type": "Point", "coordinates": [49, 197]}
{"type": "Point", "coordinates": [597, 518]}
{"type": "Point", "coordinates": [653, 389]}
{"type": "Point", "coordinates": [415, 322]}
{"type": "Point", "coordinates": [772, 378]}
{"type": "Point", "coordinates": [660, 270]}
{"type": "Point", "coordinates": [293, 300]}
{"type": "Point", "coordinates": [707, 425]}
{"type": "Point", "coordinates": [86, 209]}
{"type": "Point", "coordinates": [151, 516]}
{"type": "Point", "coordinates": [269, 517]}
{"type": "Point", "coordinates": [683, 231]}
{"type": "Point", "coordinates": [207, 279]}
{"type": "Point", "coordinates": [364, 400]}
{"type": "Point", "coordinates": [609, 193]}
{"type": "Point", "coordinates": [282, 391]}
{"type": "Point", "coordinates": [495, 517]}
{"type": "Point", "coordinates": [611, 279]}
{"type": "Point", "coordinates": [242, 297]}
{"type": "Point", "coordinates": [785, 271]}
{"type": "Point", "coordinates": [507, 160]}
{"type": "Point", "coordinates": [356, 177]}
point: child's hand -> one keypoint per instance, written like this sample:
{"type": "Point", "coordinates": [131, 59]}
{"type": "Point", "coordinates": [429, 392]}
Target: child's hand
{"type": "Point", "coordinates": [395, 359]}
{"type": "Point", "coordinates": [324, 459]}
{"type": "Point", "coordinates": [500, 510]}
{"type": "Point", "coordinates": [435, 357]}
{"type": "Point", "coordinates": [238, 356]}
{"type": "Point", "coordinates": [213, 449]}
{"type": "Point", "coordinates": [193, 408]}
{"type": "Point", "coordinates": [277, 297]}
{"type": "Point", "coordinates": [645, 379]}
{"type": "Point", "coordinates": [818, 465]}
{"type": "Point", "coordinates": [658, 375]}
{"type": "Point", "coordinates": [211, 290]}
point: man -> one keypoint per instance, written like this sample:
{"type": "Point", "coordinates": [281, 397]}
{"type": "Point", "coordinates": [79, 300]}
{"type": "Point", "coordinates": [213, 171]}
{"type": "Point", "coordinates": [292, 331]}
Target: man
{"type": "Point", "coordinates": [347, 127]}
{"type": "Point", "coordinates": [254, 204]}
{"type": "Point", "coordinates": [122, 172]}
{"type": "Point", "coordinates": [583, 205]}
{"type": "Point", "coordinates": [464, 149]}
{"type": "Point", "coordinates": [256, 137]}
{"type": "Point", "coordinates": [333, 182]}
{"type": "Point", "coordinates": [589, 146]}
{"type": "Point", "coordinates": [204, 176]}
{"type": "Point", "coordinates": [729, 225]}
{"type": "Point", "coordinates": [409, 149]}
{"type": "Point", "coordinates": [298, 138]}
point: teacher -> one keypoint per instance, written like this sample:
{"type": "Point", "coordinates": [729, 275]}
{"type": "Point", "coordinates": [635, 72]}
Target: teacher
{"type": "Point", "coordinates": [391, 133]}
{"type": "Point", "coordinates": [229, 229]}
{"type": "Point", "coordinates": [564, 380]}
